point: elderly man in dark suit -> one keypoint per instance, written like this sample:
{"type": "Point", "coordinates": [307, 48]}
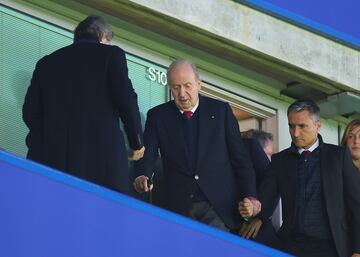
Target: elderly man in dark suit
{"type": "Point", "coordinates": [319, 188]}
{"type": "Point", "coordinates": [207, 170]}
{"type": "Point", "coordinates": [72, 109]}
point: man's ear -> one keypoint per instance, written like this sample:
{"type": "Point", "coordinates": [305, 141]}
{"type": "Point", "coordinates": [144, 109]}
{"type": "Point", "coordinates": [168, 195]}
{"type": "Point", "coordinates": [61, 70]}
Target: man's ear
{"type": "Point", "coordinates": [318, 124]}
{"type": "Point", "coordinates": [104, 40]}
{"type": "Point", "coordinates": [199, 84]}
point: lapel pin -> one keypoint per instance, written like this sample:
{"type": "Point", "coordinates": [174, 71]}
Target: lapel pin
{"type": "Point", "coordinates": [213, 117]}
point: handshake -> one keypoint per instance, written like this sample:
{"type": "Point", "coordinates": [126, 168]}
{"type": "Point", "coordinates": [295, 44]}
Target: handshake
{"type": "Point", "coordinates": [249, 207]}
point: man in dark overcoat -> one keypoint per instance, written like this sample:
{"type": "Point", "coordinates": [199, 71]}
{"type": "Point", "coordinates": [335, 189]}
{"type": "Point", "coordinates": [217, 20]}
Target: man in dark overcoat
{"type": "Point", "coordinates": [319, 188]}
{"type": "Point", "coordinates": [72, 109]}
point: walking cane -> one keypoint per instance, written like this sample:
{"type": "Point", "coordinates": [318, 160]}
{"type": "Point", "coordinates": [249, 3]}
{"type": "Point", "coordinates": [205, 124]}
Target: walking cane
{"type": "Point", "coordinates": [150, 184]}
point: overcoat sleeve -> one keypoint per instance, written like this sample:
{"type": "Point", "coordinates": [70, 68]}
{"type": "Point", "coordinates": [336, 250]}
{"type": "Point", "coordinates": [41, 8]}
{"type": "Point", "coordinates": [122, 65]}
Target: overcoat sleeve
{"type": "Point", "coordinates": [125, 98]}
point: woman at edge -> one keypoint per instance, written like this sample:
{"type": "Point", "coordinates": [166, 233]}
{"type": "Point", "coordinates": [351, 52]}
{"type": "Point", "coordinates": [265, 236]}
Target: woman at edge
{"type": "Point", "coordinates": [351, 139]}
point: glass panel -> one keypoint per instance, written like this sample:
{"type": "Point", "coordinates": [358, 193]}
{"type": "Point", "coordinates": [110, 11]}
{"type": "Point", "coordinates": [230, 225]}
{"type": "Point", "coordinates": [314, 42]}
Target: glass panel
{"type": "Point", "coordinates": [23, 41]}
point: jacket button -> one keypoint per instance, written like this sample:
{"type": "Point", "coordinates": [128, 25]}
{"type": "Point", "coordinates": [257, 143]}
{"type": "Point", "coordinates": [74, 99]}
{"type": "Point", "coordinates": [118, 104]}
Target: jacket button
{"type": "Point", "coordinates": [196, 177]}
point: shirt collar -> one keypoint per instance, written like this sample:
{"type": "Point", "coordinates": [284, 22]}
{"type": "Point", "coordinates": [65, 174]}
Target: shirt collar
{"type": "Point", "coordinates": [311, 148]}
{"type": "Point", "coordinates": [193, 109]}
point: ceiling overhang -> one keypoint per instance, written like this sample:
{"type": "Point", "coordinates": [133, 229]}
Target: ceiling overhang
{"type": "Point", "coordinates": [344, 104]}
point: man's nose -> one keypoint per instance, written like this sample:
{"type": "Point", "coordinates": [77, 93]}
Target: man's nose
{"type": "Point", "coordinates": [296, 131]}
{"type": "Point", "coordinates": [181, 92]}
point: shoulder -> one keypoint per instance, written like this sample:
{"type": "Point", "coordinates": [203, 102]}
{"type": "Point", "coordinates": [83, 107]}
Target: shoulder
{"type": "Point", "coordinates": [332, 150]}
{"type": "Point", "coordinates": [100, 48]}
{"type": "Point", "coordinates": [111, 50]}
{"type": "Point", "coordinates": [115, 50]}
{"type": "Point", "coordinates": [54, 55]}
{"type": "Point", "coordinates": [212, 102]}
{"type": "Point", "coordinates": [61, 51]}
{"type": "Point", "coordinates": [162, 108]}
{"type": "Point", "coordinates": [214, 106]}
{"type": "Point", "coordinates": [282, 155]}
{"type": "Point", "coordinates": [58, 55]}
{"type": "Point", "coordinates": [48, 60]}
{"type": "Point", "coordinates": [331, 147]}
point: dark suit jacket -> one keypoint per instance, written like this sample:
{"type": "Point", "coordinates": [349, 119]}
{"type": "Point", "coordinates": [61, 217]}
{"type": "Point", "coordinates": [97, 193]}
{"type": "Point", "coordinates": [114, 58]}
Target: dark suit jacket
{"type": "Point", "coordinates": [341, 186]}
{"type": "Point", "coordinates": [72, 109]}
{"type": "Point", "coordinates": [223, 165]}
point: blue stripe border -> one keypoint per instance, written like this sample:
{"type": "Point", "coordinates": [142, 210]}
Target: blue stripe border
{"type": "Point", "coordinates": [133, 203]}
{"type": "Point", "coordinates": [303, 22]}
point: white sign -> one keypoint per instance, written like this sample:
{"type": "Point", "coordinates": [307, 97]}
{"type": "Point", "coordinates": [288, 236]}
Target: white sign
{"type": "Point", "coordinates": [157, 75]}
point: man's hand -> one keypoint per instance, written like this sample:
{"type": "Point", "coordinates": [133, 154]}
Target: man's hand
{"type": "Point", "coordinates": [137, 154]}
{"type": "Point", "coordinates": [141, 184]}
{"type": "Point", "coordinates": [250, 229]}
{"type": "Point", "coordinates": [249, 207]}
{"type": "Point", "coordinates": [355, 255]}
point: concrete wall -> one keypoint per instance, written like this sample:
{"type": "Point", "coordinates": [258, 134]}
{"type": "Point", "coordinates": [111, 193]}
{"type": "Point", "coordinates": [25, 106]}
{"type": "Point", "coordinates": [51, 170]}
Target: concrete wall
{"type": "Point", "coordinates": [268, 35]}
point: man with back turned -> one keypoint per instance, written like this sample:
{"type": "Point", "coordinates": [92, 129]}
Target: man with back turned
{"type": "Point", "coordinates": [72, 109]}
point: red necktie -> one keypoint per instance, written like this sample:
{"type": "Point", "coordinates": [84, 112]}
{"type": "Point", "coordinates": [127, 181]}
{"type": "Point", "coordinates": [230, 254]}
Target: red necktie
{"type": "Point", "coordinates": [187, 114]}
{"type": "Point", "coordinates": [306, 154]}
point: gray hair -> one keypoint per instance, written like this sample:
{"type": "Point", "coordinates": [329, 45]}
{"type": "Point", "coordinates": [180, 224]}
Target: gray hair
{"type": "Point", "coordinates": [94, 27]}
{"type": "Point", "coordinates": [261, 136]}
{"type": "Point", "coordinates": [183, 61]}
{"type": "Point", "coordinates": [305, 105]}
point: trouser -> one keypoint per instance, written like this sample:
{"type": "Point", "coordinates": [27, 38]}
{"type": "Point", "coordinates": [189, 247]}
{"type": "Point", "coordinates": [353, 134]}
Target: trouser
{"type": "Point", "coordinates": [204, 212]}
